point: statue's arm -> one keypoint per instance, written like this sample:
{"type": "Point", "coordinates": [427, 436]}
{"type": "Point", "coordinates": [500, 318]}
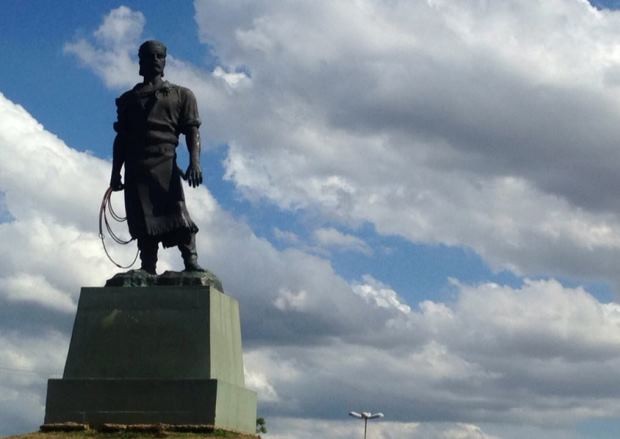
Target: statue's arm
{"type": "Point", "coordinates": [190, 121]}
{"type": "Point", "coordinates": [118, 158]}
{"type": "Point", "coordinates": [194, 173]}
{"type": "Point", "coordinates": [118, 150]}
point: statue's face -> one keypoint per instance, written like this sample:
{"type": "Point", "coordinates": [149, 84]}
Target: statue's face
{"type": "Point", "coordinates": [152, 60]}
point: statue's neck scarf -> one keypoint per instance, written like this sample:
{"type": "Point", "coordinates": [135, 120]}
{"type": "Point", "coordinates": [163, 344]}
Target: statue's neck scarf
{"type": "Point", "coordinates": [148, 95]}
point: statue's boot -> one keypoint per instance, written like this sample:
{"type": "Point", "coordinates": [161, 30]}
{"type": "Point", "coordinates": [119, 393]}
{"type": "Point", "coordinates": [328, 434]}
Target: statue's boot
{"type": "Point", "coordinates": [148, 254]}
{"type": "Point", "coordinates": [188, 251]}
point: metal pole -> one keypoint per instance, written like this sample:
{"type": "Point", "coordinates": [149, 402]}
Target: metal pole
{"type": "Point", "coordinates": [365, 424]}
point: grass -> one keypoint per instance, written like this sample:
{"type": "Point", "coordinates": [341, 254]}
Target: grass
{"type": "Point", "coordinates": [93, 434]}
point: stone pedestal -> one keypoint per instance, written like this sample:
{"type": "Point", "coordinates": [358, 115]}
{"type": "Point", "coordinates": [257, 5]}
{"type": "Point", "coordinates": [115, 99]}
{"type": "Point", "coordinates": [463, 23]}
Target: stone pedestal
{"type": "Point", "coordinates": [154, 354]}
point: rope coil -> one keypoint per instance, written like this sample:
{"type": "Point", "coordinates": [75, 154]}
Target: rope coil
{"type": "Point", "coordinates": [106, 206]}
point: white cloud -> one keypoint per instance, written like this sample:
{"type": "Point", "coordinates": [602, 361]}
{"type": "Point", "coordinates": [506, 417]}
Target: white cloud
{"type": "Point", "coordinates": [290, 300]}
{"type": "Point", "coordinates": [333, 238]}
{"type": "Point", "coordinates": [374, 291]}
{"type": "Point", "coordinates": [286, 237]}
{"type": "Point", "coordinates": [542, 355]}
{"type": "Point", "coordinates": [564, 319]}
{"type": "Point", "coordinates": [260, 384]}
{"type": "Point", "coordinates": [122, 27]}
{"type": "Point", "coordinates": [26, 361]}
{"type": "Point", "coordinates": [307, 428]}
{"type": "Point", "coordinates": [36, 289]}
{"type": "Point", "coordinates": [233, 80]}
{"type": "Point", "coordinates": [117, 39]}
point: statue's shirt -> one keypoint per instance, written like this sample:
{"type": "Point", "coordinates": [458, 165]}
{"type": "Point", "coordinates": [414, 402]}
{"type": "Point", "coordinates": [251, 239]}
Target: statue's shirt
{"type": "Point", "coordinates": [149, 124]}
{"type": "Point", "coordinates": [156, 116]}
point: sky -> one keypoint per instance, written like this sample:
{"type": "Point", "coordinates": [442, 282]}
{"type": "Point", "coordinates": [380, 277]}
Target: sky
{"type": "Point", "coordinates": [414, 202]}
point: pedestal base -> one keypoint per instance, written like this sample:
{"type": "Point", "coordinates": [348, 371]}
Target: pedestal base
{"type": "Point", "coordinates": [148, 401]}
{"type": "Point", "coordinates": [156, 354]}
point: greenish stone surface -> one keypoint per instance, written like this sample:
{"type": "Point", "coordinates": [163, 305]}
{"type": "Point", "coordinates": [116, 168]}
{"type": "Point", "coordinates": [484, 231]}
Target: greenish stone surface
{"type": "Point", "coordinates": [154, 354]}
{"type": "Point", "coordinates": [151, 401]}
{"type": "Point", "coordinates": [141, 278]}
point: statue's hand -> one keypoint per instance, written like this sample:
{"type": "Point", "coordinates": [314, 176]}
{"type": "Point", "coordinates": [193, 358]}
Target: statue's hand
{"type": "Point", "coordinates": [194, 175]}
{"type": "Point", "coordinates": [116, 183]}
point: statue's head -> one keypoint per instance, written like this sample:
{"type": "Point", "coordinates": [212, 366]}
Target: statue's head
{"type": "Point", "coordinates": [152, 56]}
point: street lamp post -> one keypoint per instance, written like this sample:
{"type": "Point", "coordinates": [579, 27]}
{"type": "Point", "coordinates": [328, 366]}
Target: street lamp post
{"type": "Point", "coordinates": [365, 416]}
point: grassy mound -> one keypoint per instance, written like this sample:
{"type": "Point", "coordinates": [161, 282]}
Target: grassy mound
{"type": "Point", "coordinates": [163, 434]}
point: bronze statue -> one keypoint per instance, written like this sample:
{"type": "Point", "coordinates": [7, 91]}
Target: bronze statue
{"type": "Point", "coordinates": [151, 116]}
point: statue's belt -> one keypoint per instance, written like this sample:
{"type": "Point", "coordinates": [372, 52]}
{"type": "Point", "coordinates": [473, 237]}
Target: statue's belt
{"type": "Point", "coordinates": [165, 151]}
{"type": "Point", "coordinates": [162, 148]}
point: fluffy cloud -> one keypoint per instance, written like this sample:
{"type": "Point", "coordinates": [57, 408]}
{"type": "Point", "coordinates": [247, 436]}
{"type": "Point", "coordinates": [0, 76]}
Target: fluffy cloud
{"type": "Point", "coordinates": [31, 288]}
{"type": "Point", "coordinates": [490, 125]}
{"type": "Point", "coordinates": [117, 39]}
{"type": "Point", "coordinates": [306, 429]}
{"type": "Point", "coordinates": [27, 361]}
{"type": "Point", "coordinates": [332, 238]}
{"type": "Point", "coordinates": [541, 355]}
{"type": "Point", "coordinates": [383, 296]}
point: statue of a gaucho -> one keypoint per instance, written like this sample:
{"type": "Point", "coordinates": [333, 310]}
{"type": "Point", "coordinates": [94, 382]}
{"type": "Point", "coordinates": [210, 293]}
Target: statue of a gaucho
{"type": "Point", "coordinates": [151, 116]}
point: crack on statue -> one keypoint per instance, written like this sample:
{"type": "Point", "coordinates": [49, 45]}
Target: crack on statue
{"type": "Point", "coordinates": [150, 118]}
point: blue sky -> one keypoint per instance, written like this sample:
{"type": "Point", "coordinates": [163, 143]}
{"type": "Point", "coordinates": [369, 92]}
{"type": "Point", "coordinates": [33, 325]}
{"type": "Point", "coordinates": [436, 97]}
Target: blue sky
{"type": "Point", "coordinates": [404, 179]}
